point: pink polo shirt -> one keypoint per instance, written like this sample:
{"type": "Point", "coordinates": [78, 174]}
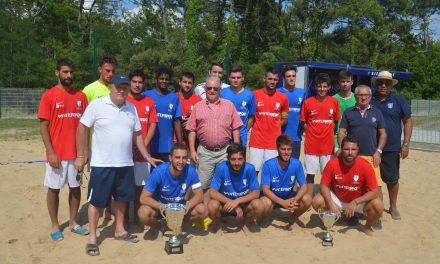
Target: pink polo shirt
{"type": "Point", "coordinates": [213, 123]}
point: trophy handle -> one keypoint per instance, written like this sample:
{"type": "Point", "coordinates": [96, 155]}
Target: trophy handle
{"type": "Point", "coordinates": [162, 211]}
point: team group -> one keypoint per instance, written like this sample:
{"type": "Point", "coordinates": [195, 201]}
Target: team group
{"type": "Point", "coordinates": [156, 147]}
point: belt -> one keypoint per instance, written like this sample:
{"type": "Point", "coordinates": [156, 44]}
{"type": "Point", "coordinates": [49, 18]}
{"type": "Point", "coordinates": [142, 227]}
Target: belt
{"type": "Point", "coordinates": [215, 149]}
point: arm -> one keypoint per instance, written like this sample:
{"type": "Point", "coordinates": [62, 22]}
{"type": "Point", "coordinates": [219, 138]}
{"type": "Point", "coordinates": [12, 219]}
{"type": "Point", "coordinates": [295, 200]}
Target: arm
{"type": "Point", "coordinates": [52, 157]}
{"type": "Point", "coordinates": [274, 198]}
{"type": "Point", "coordinates": [192, 146]}
{"type": "Point", "coordinates": [143, 150]}
{"type": "Point", "coordinates": [366, 197]}
{"type": "Point", "coordinates": [150, 133]}
{"type": "Point", "coordinates": [195, 200]}
{"type": "Point", "coordinates": [325, 192]}
{"type": "Point", "coordinates": [233, 204]}
{"type": "Point", "coordinates": [82, 148]}
{"type": "Point", "coordinates": [147, 199]}
{"type": "Point", "coordinates": [178, 129]}
{"type": "Point", "coordinates": [407, 132]}
{"type": "Point", "coordinates": [250, 122]}
{"type": "Point", "coordinates": [236, 135]}
{"type": "Point", "coordinates": [341, 135]}
{"type": "Point", "coordinates": [380, 145]}
{"type": "Point", "coordinates": [284, 118]}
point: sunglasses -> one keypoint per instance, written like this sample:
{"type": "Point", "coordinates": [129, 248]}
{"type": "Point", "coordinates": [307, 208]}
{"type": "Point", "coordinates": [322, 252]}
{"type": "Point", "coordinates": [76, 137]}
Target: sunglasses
{"type": "Point", "coordinates": [380, 83]}
{"type": "Point", "coordinates": [212, 88]}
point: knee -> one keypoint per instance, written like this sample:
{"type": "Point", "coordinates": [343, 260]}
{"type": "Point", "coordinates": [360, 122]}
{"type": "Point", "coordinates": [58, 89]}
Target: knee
{"type": "Point", "coordinates": [266, 203]}
{"type": "Point", "coordinates": [318, 202]}
{"type": "Point", "coordinates": [256, 205]}
{"type": "Point", "coordinates": [213, 206]}
{"type": "Point", "coordinates": [201, 211]}
{"type": "Point", "coordinates": [377, 205]}
{"type": "Point", "coordinates": [145, 214]}
{"type": "Point", "coordinates": [306, 200]}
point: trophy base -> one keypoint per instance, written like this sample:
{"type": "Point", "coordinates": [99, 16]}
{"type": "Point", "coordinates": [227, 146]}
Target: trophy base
{"type": "Point", "coordinates": [327, 243]}
{"type": "Point", "coordinates": [173, 248]}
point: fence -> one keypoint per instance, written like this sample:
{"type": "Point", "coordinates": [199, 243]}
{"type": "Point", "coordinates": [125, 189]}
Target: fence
{"type": "Point", "coordinates": [24, 102]}
{"type": "Point", "coordinates": [19, 102]}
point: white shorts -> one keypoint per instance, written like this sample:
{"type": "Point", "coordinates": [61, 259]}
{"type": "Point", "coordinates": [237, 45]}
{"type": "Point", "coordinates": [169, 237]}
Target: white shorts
{"type": "Point", "coordinates": [56, 178]}
{"type": "Point", "coordinates": [313, 162]}
{"type": "Point", "coordinates": [141, 173]}
{"type": "Point", "coordinates": [258, 156]}
{"type": "Point", "coordinates": [342, 205]}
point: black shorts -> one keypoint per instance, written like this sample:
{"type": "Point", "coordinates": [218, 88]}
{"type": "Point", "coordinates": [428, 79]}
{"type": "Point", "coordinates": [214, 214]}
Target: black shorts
{"type": "Point", "coordinates": [389, 167]}
{"type": "Point", "coordinates": [234, 213]}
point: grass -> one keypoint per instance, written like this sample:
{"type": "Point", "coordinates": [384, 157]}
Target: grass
{"type": "Point", "coordinates": [19, 129]}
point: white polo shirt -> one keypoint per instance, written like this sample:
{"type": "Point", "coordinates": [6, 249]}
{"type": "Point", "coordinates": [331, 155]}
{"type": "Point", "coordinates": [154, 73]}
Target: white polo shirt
{"type": "Point", "coordinates": [112, 135]}
{"type": "Point", "coordinates": [200, 89]}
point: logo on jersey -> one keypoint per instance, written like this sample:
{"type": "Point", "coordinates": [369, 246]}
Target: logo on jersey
{"type": "Point", "coordinates": [275, 179]}
{"type": "Point", "coordinates": [59, 105]}
{"type": "Point", "coordinates": [292, 178]}
{"type": "Point", "coordinates": [260, 104]}
{"type": "Point", "coordinates": [390, 105]}
{"type": "Point", "coordinates": [277, 105]}
{"type": "Point", "coordinates": [338, 177]}
{"type": "Point", "coordinates": [243, 104]}
{"type": "Point", "coordinates": [78, 104]}
{"type": "Point", "coordinates": [245, 182]}
{"type": "Point", "coordinates": [170, 107]}
{"type": "Point", "coordinates": [299, 100]}
{"type": "Point", "coordinates": [166, 188]}
{"type": "Point", "coordinates": [227, 183]}
{"type": "Point", "coordinates": [356, 178]}
{"type": "Point", "coordinates": [313, 112]}
{"type": "Point", "coordinates": [191, 107]}
{"type": "Point", "coordinates": [331, 111]}
{"type": "Point", "coordinates": [147, 108]}
{"type": "Point", "coordinates": [373, 119]}
{"type": "Point", "coordinates": [184, 186]}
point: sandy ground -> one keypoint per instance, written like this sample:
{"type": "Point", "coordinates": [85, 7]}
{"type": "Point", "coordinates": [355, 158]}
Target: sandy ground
{"type": "Point", "coordinates": [24, 225]}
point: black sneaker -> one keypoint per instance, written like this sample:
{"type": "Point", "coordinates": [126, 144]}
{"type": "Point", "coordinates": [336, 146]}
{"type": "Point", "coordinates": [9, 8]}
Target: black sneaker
{"type": "Point", "coordinates": [377, 225]}
{"type": "Point", "coordinates": [353, 221]}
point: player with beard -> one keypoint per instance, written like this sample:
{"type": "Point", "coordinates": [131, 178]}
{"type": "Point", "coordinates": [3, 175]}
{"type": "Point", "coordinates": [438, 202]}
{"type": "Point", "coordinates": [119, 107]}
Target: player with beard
{"type": "Point", "coordinates": [147, 117]}
{"type": "Point", "coordinates": [61, 108]}
{"type": "Point", "coordinates": [235, 190]}
{"type": "Point", "coordinates": [278, 179]}
{"type": "Point", "coordinates": [169, 183]}
{"type": "Point", "coordinates": [349, 185]}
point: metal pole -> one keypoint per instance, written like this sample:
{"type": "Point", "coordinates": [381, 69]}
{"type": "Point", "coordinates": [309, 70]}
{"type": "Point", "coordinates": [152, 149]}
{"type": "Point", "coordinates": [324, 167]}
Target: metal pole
{"type": "Point", "coordinates": [94, 55]}
{"type": "Point", "coordinates": [227, 60]}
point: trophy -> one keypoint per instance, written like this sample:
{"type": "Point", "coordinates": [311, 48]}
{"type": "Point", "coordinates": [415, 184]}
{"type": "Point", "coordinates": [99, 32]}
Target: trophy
{"type": "Point", "coordinates": [173, 214]}
{"type": "Point", "coordinates": [328, 219]}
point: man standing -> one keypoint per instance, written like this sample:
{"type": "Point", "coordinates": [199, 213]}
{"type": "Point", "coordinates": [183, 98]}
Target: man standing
{"type": "Point", "coordinates": [115, 123]}
{"type": "Point", "coordinates": [318, 117]}
{"type": "Point", "coordinates": [395, 111]}
{"type": "Point", "coordinates": [242, 99]}
{"type": "Point", "coordinates": [99, 88]}
{"type": "Point", "coordinates": [61, 107]}
{"type": "Point", "coordinates": [187, 101]}
{"type": "Point", "coordinates": [148, 119]}
{"type": "Point", "coordinates": [168, 113]}
{"type": "Point", "coordinates": [169, 183]}
{"type": "Point", "coordinates": [215, 123]}
{"type": "Point", "coordinates": [345, 98]}
{"type": "Point", "coordinates": [278, 179]}
{"type": "Point", "coordinates": [235, 190]}
{"type": "Point", "coordinates": [348, 185]}
{"type": "Point", "coordinates": [216, 70]}
{"type": "Point", "coordinates": [272, 108]}
{"type": "Point", "coordinates": [295, 96]}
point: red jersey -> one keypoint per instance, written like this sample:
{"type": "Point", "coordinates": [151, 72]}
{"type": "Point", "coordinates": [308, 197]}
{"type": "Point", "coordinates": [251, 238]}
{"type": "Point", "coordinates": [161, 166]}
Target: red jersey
{"type": "Point", "coordinates": [267, 124]}
{"type": "Point", "coordinates": [186, 105]}
{"type": "Point", "coordinates": [147, 115]}
{"type": "Point", "coordinates": [63, 109]}
{"type": "Point", "coordinates": [349, 182]}
{"type": "Point", "coordinates": [320, 118]}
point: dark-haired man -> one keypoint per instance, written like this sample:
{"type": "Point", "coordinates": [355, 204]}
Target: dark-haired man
{"type": "Point", "coordinates": [169, 183]}
{"type": "Point", "coordinates": [168, 113]}
{"type": "Point", "coordinates": [243, 100]}
{"type": "Point", "coordinates": [295, 95]}
{"type": "Point", "coordinates": [99, 88]}
{"type": "Point", "coordinates": [278, 179]}
{"type": "Point", "coordinates": [216, 70]}
{"type": "Point", "coordinates": [319, 115]}
{"type": "Point", "coordinates": [348, 185]}
{"type": "Point", "coordinates": [148, 119]}
{"type": "Point", "coordinates": [61, 108]}
{"type": "Point", "coordinates": [235, 190]}
{"type": "Point", "coordinates": [272, 108]}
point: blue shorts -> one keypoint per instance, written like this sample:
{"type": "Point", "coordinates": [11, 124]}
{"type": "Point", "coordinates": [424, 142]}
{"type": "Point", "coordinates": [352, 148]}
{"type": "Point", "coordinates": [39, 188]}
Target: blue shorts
{"type": "Point", "coordinates": [234, 213]}
{"type": "Point", "coordinates": [106, 182]}
{"type": "Point", "coordinates": [291, 195]}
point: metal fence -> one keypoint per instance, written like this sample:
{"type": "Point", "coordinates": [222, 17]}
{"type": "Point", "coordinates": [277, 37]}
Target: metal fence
{"type": "Point", "coordinates": [24, 103]}
{"type": "Point", "coordinates": [19, 102]}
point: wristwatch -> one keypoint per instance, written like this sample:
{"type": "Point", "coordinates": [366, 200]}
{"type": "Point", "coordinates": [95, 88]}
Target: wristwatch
{"type": "Point", "coordinates": [379, 150]}
{"type": "Point", "coordinates": [405, 144]}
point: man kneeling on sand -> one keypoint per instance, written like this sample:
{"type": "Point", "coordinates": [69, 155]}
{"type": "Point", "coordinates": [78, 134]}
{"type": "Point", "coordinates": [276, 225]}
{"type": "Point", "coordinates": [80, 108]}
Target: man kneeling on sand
{"type": "Point", "coordinates": [169, 183]}
{"type": "Point", "coordinates": [235, 190]}
{"type": "Point", "coordinates": [349, 185]}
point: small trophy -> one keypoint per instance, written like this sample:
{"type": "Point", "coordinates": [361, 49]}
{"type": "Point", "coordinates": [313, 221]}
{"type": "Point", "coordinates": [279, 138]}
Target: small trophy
{"type": "Point", "coordinates": [328, 219]}
{"type": "Point", "coordinates": [173, 214]}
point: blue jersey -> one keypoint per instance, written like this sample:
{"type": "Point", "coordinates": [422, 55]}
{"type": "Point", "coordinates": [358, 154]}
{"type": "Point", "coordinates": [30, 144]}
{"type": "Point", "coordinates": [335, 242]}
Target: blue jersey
{"type": "Point", "coordinates": [394, 109]}
{"type": "Point", "coordinates": [281, 181]}
{"type": "Point", "coordinates": [234, 185]}
{"type": "Point", "coordinates": [244, 103]}
{"type": "Point", "coordinates": [296, 98]}
{"type": "Point", "coordinates": [169, 189]}
{"type": "Point", "coordinates": [167, 108]}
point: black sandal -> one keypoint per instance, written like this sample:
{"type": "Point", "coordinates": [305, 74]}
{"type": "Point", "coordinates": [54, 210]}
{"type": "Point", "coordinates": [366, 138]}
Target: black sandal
{"type": "Point", "coordinates": [92, 250]}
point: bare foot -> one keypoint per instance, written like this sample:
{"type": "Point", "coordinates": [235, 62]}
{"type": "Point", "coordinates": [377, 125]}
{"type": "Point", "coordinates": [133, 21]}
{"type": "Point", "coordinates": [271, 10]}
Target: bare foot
{"type": "Point", "coordinates": [245, 230]}
{"type": "Point", "coordinates": [368, 231]}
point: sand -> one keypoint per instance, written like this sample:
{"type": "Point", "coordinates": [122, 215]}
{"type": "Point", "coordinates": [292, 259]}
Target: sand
{"type": "Point", "coordinates": [24, 225]}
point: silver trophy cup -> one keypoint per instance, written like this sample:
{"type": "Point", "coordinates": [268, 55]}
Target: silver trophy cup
{"type": "Point", "coordinates": [328, 219]}
{"type": "Point", "coordinates": [173, 214]}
